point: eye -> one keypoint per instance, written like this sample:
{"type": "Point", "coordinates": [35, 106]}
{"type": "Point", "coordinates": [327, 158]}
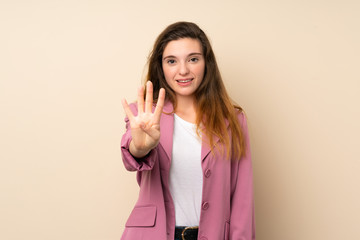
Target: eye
{"type": "Point", "coordinates": [170, 61]}
{"type": "Point", "coordinates": [194, 59]}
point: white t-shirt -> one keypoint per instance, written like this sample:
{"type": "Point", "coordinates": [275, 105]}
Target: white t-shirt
{"type": "Point", "coordinates": [186, 173]}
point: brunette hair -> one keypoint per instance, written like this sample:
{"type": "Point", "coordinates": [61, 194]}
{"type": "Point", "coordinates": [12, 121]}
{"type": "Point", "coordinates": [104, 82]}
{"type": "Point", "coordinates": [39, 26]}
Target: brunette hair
{"type": "Point", "coordinates": [215, 111]}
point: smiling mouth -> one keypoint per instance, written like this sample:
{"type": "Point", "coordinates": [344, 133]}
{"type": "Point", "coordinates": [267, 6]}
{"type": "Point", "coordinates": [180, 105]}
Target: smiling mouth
{"type": "Point", "coordinates": [185, 80]}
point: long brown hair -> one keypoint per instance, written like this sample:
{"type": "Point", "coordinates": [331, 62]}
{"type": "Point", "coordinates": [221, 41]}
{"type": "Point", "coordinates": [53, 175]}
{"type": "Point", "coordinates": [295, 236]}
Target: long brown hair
{"type": "Point", "coordinates": [215, 111]}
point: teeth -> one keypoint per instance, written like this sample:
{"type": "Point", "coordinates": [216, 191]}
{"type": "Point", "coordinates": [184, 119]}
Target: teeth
{"type": "Point", "coordinates": [184, 81]}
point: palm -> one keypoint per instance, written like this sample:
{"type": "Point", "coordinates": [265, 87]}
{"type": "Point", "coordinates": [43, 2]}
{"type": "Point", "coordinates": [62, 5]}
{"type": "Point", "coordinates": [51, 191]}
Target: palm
{"type": "Point", "coordinates": [145, 127]}
{"type": "Point", "coordinates": [145, 131]}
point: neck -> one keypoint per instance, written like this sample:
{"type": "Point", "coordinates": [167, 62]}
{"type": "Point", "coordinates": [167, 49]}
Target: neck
{"type": "Point", "coordinates": [185, 108]}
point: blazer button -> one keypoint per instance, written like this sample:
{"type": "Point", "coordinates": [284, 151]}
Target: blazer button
{"type": "Point", "coordinates": [205, 205]}
{"type": "Point", "coordinates": [207, 173]}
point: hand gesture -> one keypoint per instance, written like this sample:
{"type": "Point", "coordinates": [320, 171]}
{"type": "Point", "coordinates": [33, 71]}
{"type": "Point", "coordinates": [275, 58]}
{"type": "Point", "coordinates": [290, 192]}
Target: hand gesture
{"type": "Point", "coordinates": [145, 127]}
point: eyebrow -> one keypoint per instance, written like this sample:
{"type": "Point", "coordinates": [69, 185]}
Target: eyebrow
{"type": "Point", "coordinates": [191, 54]}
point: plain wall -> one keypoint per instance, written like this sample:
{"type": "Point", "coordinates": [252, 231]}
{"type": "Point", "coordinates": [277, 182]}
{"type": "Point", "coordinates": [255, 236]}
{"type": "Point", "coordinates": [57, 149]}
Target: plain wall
{"type": "Point", "coordinates": [65, 66]}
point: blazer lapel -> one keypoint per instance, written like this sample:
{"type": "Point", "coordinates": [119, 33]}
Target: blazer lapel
{"type": "Point", "coordinates": [205, 146]}
{"type": "Point", "coordinates": [167, 128]}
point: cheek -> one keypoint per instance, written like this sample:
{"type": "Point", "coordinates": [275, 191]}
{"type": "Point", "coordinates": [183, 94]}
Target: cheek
{"type": "Point", "coordinates": [168, 73]}
{"type": "Point", "coordinates": [200, 71]}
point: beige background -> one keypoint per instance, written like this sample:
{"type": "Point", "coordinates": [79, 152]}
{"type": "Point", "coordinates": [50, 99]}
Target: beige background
{"type": "Point", "coordinates": [65, 65]}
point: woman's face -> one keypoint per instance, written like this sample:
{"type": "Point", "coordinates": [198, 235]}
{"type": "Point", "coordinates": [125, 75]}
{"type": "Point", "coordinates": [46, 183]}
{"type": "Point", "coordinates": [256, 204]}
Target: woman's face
{"type": "Point", "coordinates": [183, 65]}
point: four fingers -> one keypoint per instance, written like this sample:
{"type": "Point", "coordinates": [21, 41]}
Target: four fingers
{"type": "Point", "coordinates": [147, 121]}
{"type": "Point", "coordinates": [148, 104]}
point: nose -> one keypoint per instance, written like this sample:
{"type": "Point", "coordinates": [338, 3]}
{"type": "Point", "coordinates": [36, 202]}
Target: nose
{"type": "Point", "coordinates": [184, 70]}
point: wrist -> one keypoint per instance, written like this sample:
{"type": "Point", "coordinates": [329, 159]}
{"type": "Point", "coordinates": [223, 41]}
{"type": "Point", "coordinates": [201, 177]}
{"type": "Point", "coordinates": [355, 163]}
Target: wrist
{"type": "Point", "coordinates": [138, 153]}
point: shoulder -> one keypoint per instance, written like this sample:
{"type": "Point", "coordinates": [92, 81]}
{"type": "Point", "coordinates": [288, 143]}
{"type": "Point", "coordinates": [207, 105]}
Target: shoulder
{"type": "Point", "coordinates": [240, 114]}
{"type": "Point", "coordinates": [242, 120]}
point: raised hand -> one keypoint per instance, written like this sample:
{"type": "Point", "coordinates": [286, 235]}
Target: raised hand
{"type": "Point", "coordinates": [145, 127]}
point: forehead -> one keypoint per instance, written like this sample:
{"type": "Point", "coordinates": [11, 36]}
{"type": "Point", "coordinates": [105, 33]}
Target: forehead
{"type": "Point", "coordinates": [183, 46]}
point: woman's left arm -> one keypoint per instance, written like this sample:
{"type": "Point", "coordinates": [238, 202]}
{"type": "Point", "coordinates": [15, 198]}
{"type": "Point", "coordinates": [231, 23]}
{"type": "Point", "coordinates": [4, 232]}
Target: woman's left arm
{"type": "Point", "coordinates": [242, 221]}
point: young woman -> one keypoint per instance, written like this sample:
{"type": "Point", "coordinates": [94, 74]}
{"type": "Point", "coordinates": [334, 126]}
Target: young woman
{"type": "Point", "coordinates": [190, 149]}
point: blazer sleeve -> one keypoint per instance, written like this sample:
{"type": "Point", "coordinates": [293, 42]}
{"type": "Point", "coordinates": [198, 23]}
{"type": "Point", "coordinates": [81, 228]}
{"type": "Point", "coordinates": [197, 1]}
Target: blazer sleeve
{"type": "Point", "coordinates": [130, 162]}
{"type": "Point", "coordinates": [242, 221]}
